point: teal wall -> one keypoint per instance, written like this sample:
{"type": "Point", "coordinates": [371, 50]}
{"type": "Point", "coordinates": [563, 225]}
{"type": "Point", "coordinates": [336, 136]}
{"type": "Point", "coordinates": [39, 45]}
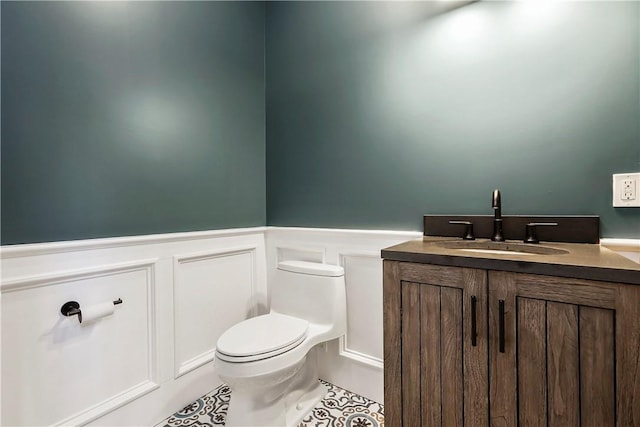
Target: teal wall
{"type": "Point", "coordinates": [378, 113]}
{"type": "Point", "coordinates": [128, 118]}
{"type": "Point", "coordinates": [123, 118]}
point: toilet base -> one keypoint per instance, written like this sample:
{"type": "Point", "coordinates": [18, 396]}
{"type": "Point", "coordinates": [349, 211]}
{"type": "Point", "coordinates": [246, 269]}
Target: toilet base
{"type": "Point", "coordinates": [295, 413]}
{"type": "Point", "coordinates": [283, 403]}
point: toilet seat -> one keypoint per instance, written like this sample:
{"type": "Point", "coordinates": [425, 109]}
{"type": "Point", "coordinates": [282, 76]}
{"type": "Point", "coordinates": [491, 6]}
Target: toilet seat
{"type": "Point", "coordinates": [261, 337]}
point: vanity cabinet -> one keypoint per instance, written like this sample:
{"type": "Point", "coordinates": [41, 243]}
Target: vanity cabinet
{"type": "Point", "coordinates": [475, 347]}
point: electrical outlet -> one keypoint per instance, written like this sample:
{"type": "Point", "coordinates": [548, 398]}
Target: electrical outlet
{"type": "Point", "coordinates": [626, 190]}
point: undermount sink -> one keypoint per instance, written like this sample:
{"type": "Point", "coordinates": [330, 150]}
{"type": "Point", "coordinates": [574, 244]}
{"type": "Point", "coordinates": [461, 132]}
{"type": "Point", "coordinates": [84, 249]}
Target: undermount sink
{"type": "Point", "coordinates": [501, 248]}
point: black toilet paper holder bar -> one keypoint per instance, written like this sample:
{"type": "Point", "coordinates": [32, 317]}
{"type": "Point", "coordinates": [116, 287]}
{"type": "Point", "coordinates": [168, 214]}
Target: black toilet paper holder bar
{"type": "Point", "coordinates": [72, 308]}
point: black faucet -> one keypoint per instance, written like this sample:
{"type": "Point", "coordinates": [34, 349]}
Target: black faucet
{"type": "Point", "coordinates": [496, 204]}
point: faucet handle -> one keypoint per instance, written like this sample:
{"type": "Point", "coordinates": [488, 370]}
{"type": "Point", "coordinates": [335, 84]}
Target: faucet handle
{"type": "Point", "coordinates": [532, 233]}
{"type": "Point", "coordinates": [468, 230]}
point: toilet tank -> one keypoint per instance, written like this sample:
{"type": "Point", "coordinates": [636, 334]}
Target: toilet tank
{"type": "Point", "coordinates": [311, 291]}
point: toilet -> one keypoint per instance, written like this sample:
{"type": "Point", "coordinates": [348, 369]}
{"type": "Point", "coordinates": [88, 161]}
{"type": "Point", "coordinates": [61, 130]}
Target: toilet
{"type": "Point", "coordinates": [269, 361]}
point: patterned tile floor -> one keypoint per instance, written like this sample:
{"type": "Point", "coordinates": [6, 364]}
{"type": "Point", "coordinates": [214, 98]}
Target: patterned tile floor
{"type": "Point", "coordinates": [339, 408]}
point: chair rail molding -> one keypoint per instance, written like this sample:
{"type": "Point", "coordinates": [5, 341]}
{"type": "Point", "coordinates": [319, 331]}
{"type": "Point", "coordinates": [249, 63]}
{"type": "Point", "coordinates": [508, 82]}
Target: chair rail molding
{"type": "Point", "coordinates": [36, 281]}
{"type": "Point", "coordinates": [34, 249]}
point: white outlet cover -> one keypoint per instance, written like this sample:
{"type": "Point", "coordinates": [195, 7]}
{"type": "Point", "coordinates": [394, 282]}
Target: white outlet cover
{"type": "Point", "coordinates": [629, 196]}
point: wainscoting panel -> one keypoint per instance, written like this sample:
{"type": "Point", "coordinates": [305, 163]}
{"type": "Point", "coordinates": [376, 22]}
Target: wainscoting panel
{"type": "Point", "coordinates": [363, 277]}
{"type": "Point", "coordinates": [148, 359]}
{"type": "Point", "coordinates": [302, 253]}
{"type": "Point", "coordinates": [354, 361]}
{"type": "Point", "coordinates": [152, 356]}
{"type": "Point", "coordinates": [216, 289]}
{"type": "Point", "coordinates": [54, 362]}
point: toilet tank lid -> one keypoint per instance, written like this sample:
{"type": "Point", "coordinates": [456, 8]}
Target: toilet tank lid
{"type": "Point", "coordinates": [312, 268]}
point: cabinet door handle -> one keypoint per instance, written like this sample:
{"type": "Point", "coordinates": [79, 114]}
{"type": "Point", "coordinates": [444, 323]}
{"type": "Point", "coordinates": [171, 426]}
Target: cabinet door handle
{"type": "Point", "coordinates": [501, 324]}
{"type": "Point", "coordinates": [474, 326]}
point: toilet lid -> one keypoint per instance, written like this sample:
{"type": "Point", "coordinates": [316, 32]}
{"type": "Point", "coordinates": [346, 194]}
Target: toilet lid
{"type": "Point", "coordinates": [262, 335]}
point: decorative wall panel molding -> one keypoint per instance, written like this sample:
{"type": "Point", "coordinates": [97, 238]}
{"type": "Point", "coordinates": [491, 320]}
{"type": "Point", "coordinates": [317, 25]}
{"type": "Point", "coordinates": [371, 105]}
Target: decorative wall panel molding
{"type": "Point", "coordinates": [363, 278]}
{"type": "Point", "coordinates": [355, 360]}
{"type": "Point", "coordinates": [36, 249]}
{"type": "Point", "coordinates": [76, 372]}
{"type": "Point", "coordinates": [117, 401]}
{"type": "Point", "coordinates": [121, 369]}
{"type": "Point", "coordinates": [180, 291]}
{"type": "Point", "coordinates": [301, 253]}
{"type": "Point", "coordinates": [35, 281]}
{"type": "Point", "coordinates": [212, 291]}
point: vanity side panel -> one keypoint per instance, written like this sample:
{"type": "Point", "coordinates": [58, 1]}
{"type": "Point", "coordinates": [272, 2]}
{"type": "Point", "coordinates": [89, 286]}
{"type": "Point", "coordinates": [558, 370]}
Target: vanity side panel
{"type": "Point", "coordinates": [627, 324]}
{"type": "Point", "coordinates": [392, 344]}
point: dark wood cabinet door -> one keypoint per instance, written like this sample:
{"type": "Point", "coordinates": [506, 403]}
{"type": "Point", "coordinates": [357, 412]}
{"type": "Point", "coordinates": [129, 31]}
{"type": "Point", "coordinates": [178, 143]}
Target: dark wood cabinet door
{"type": "Point", "coordinates": [567, 358]}
{"type": "Point", "coordinates": [436, 373]}
{"type": "Point", "coordinates": [549, 351]}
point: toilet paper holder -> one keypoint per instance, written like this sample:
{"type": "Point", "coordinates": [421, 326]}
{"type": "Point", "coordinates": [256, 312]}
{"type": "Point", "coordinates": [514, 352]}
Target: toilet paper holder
{"type": "Point", "coordinates": [72, 308]}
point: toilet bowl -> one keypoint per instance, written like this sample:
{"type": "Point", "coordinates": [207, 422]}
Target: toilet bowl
{"type": "Point", "coordinates": [269, 361]}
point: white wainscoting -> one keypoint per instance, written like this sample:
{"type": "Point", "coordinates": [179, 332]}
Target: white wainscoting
{"type": "Point", "coordinates": [179, 291]}
{"type": "Point", "coordinates": [148, 359]}
{"type": "Point", "coordinates": [59, 348]}
{"type": "Point", "coordinates": [363, 273]}
{"type": "Point", "coordinates": [355, 361]}
{"type": "Point", "coordinates": [214, 288]}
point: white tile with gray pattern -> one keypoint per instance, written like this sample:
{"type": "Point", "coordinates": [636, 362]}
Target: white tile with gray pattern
{"type": "Point", "coordinates": [339, 408]}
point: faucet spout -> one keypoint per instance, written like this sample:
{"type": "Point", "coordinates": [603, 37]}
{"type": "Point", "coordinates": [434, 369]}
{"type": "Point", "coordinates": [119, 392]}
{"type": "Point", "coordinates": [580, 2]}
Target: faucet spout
{"type": "Point", "coordinates": [496, 204]}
